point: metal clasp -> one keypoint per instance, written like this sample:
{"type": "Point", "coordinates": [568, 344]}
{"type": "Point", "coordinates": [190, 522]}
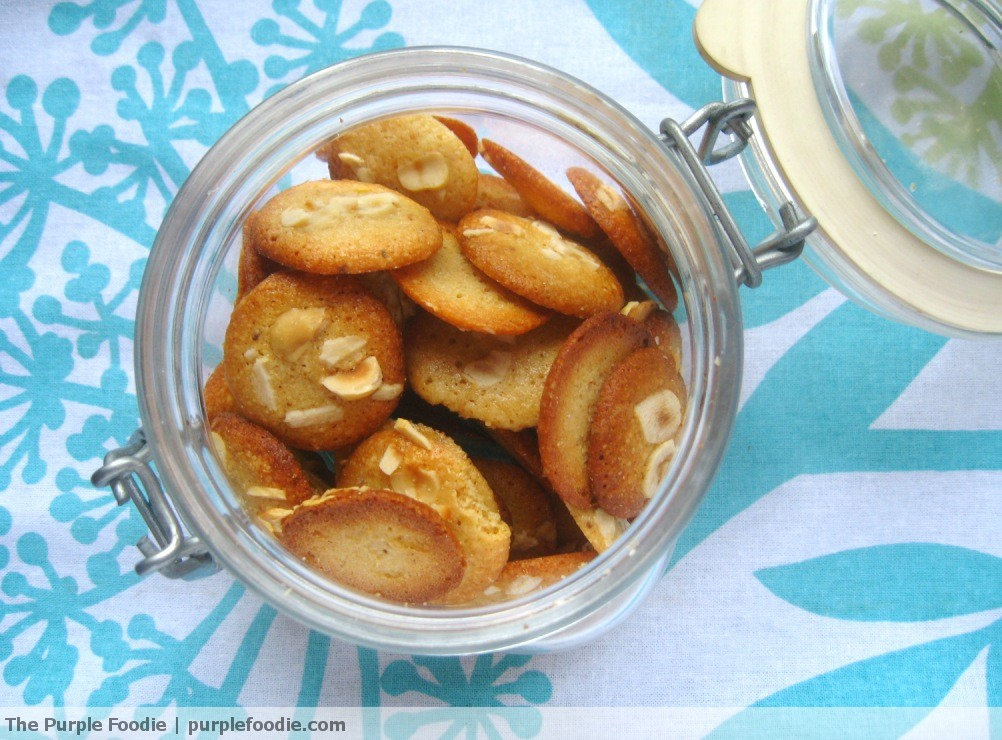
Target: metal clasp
{"type": "Point", "coordinates": [731, 119]}
{"type": "Point", "coordinates": [128, 473]}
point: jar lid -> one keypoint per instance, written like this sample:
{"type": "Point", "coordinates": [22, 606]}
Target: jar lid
{"type": "Point", "coordinates": [884, 122]}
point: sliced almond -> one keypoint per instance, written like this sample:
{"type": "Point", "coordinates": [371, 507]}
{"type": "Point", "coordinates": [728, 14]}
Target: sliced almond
{"type": "Point", "coordinates": [219, 447]}
{"type": "Point", "coordinates": [500, 225]}
{"type": "Point", "coordinates": [412, 433]}
{"type": "Point", "coordinates": [274, 516]}
{"type": "Point", "coordinates": [375, 204]}
{"type": "Point", "coordinates": [477, 232]}
{"type": "Point", "coordinates": [390, 460]}
{"type": "Point", "coordinates": [414, 481]}
{"type": "Point", "coordinates": [294, 217]}
{"type": "Point", "coordinates": [660, 415]}
{"type": "Point", "coordinates": [352, 160]}
{"type": "Point", "coordinates": [489, 370]}
{"type": "Point", "coordinates": [318, 415]}
{"type": "Point", "coordinates": [610, 198]}
{"type": "Point", "coordinates": [523, 585]}
{"type": "Point", "coordinates": [261, 382]}
{"type": "Point", "coordinates": [609, 527]}
{"type": "Point", "coordinates": [267, 492]}
{"type": "Point", "coordinates": [388, 391]}
{"type": "Point", "coordinates": [657, 465]}
{"type": "Point", "coordinates": [428, 172]}
{"type": "Point", "coordinates": [343, 353]}
{"type": "Point", "coordinates": [360, 382]}
{"type": "Point", "coordinates": [639, 311]}
{"type": "Point", "coordinates": [295, 329]}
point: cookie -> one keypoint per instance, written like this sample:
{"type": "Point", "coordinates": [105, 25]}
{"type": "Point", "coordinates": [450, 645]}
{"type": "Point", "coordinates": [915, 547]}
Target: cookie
{"type": "Point", "coordinates": [626, 232]}
{"type": "Point", "coordinates": [385, 288]}
{"type": "Point", "coordinates": [533, 532]}
{"type": "Point", "coordinates": [376, 541]}
{"type": "Point", "coordinates": [421, 462]}
{"type": "Point", "coordinates": [498, 381]}
{"type": "Point", "coordinates": [523, 446]}
{"type": "Point", "coordinates": [315, 359]}
{"type": "Point", "coordinates": [637, 416]}
{"type": "Point", "coordinates": [217, 396]}
{"type": "Point", "coordinates": [463, 131]}
{"type": "Point", "coordinates": [529, 576]}
{"type": "Point", "coordinates": [252, 267]}
{"type": "Point", "coordinates": [497, 194]}
{"type": "Point", "coordinates": [450, 287]}
{"type": "Point", "coordinates": [264, 472]}
{"type": "Point", "coordinates": [542, 195]}
{"type": "Point", "coordinates": [533, 260]}
{"type": "Point", "coordinates": [416, 155]}
{"type": "Point", "coordinates": [343, 226]}
{"type": "Point", "coordinates": [569, 395]}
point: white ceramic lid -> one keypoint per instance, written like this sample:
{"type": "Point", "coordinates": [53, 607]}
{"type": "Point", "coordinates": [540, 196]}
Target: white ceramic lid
{"type": "Point", "coordinates": [883, 120]}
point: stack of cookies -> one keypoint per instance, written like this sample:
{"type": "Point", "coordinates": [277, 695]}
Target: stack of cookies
{"type": "Point", "coordinates": [441, 385]}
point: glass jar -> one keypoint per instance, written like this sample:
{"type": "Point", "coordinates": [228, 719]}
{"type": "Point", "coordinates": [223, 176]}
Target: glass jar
{"type": "Point", "coordinates": [187, 294]}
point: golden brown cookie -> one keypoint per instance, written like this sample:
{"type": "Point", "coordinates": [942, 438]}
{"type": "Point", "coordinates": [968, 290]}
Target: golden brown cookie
{"type": "Point", "coordinates": [542, 195]}
{"type": "Point", "coordinates": [450, 287]}
{"type": "Point", "coordinates": [377, 541]}
{"type": "Point", "coordinates": [217, 396]}
{"type": "Point", "coordinates": [264, 472]}
{"type": "Point", "coordinates": [252, 266]}
{"type": "Point", "coordinates": [533, 531]}
{"type": "Point", "coordinates": [533, 260]}
{"type": "Point", "coordinates": [497, 194]}
{"type": "Point", "coordinates": [342, 226]}
{"type": "Point", "coordinates": [496, 380]}
{"type": "Point", "coordinates": [421, 462]}
{"type": "Point", "coordinates": [529, 576]}
{"type": "Point", "coordinates": [637, 416]}
{"type": "Point", "coordinates": [416, 155]}
{"type": "Point", "coordinates": [667, 336]}
{"type": "Point", "coordinates": [615, 217]}
{"type": "Point", "coordinates": [464, 131]}
{"type": "Point", "coordinates": [569, 395]}
{"type": "Point", "coordinates": [317, 360]}
{"type": "Point", "coordinates": [523, 446]}
{"type": "Point", "coordinates": [385, 288]}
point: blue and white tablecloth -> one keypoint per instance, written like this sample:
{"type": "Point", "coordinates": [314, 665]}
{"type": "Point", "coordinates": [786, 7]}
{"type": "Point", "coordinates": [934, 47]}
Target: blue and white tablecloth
{"type": "Point", "coordinates": [849, 553]}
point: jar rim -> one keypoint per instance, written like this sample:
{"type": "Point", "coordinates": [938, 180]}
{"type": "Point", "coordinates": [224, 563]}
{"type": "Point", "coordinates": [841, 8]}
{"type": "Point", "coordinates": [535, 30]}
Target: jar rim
{"type": "Point", "coordinates": [251, 157]}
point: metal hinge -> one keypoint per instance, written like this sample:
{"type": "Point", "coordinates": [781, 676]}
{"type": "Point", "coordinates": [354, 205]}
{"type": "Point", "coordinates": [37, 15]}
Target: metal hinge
{"type": "Point", "coordinates": [731, 119]}
{"type": "Point", "coordinates": [128, 473]}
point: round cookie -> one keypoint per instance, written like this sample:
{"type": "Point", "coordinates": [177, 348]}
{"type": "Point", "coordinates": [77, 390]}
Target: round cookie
{"type": "Point", "coordinates": [317, 360]}
{"type": "Point", "coordinates": [615, 217]}
{"type": "Point", "coordinates": [217, 396]}
{"type": "Point", "coordinates": [638, 413]}
{"type": "Point", "coordinates": [450, 287]}
{"type": "Point", "coordinates": [252, 267]}
{"type": "Point", "coordinates": [418, 461]}
{"type": "Point", "coordinates": [336, 227]}
{"type": "Point", "coordinates": [264, 472]}
{"type": "Point", "coordinates": [532, 575]}
{"type": "Point", "coordinates": [531, 259]}
{"type": "Point", "coordinates": [523, 446]}
{"type": "Point", "coordinates": [533, 532]}
{"type": "Point", "coordinates": [466, 133]}
{"type": "Point", "coordinates": [569, 396]}
{"type": "Point", "coordinates": [543, 196]}
{"type": "Point", "coordinates": [480, 376]}
{"type": "Point", "coordinates": [416, 155]}
{"type": "Point", "coordinates": [497, 194]}
{"type": "Point", "coordinates": [376, 541]}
